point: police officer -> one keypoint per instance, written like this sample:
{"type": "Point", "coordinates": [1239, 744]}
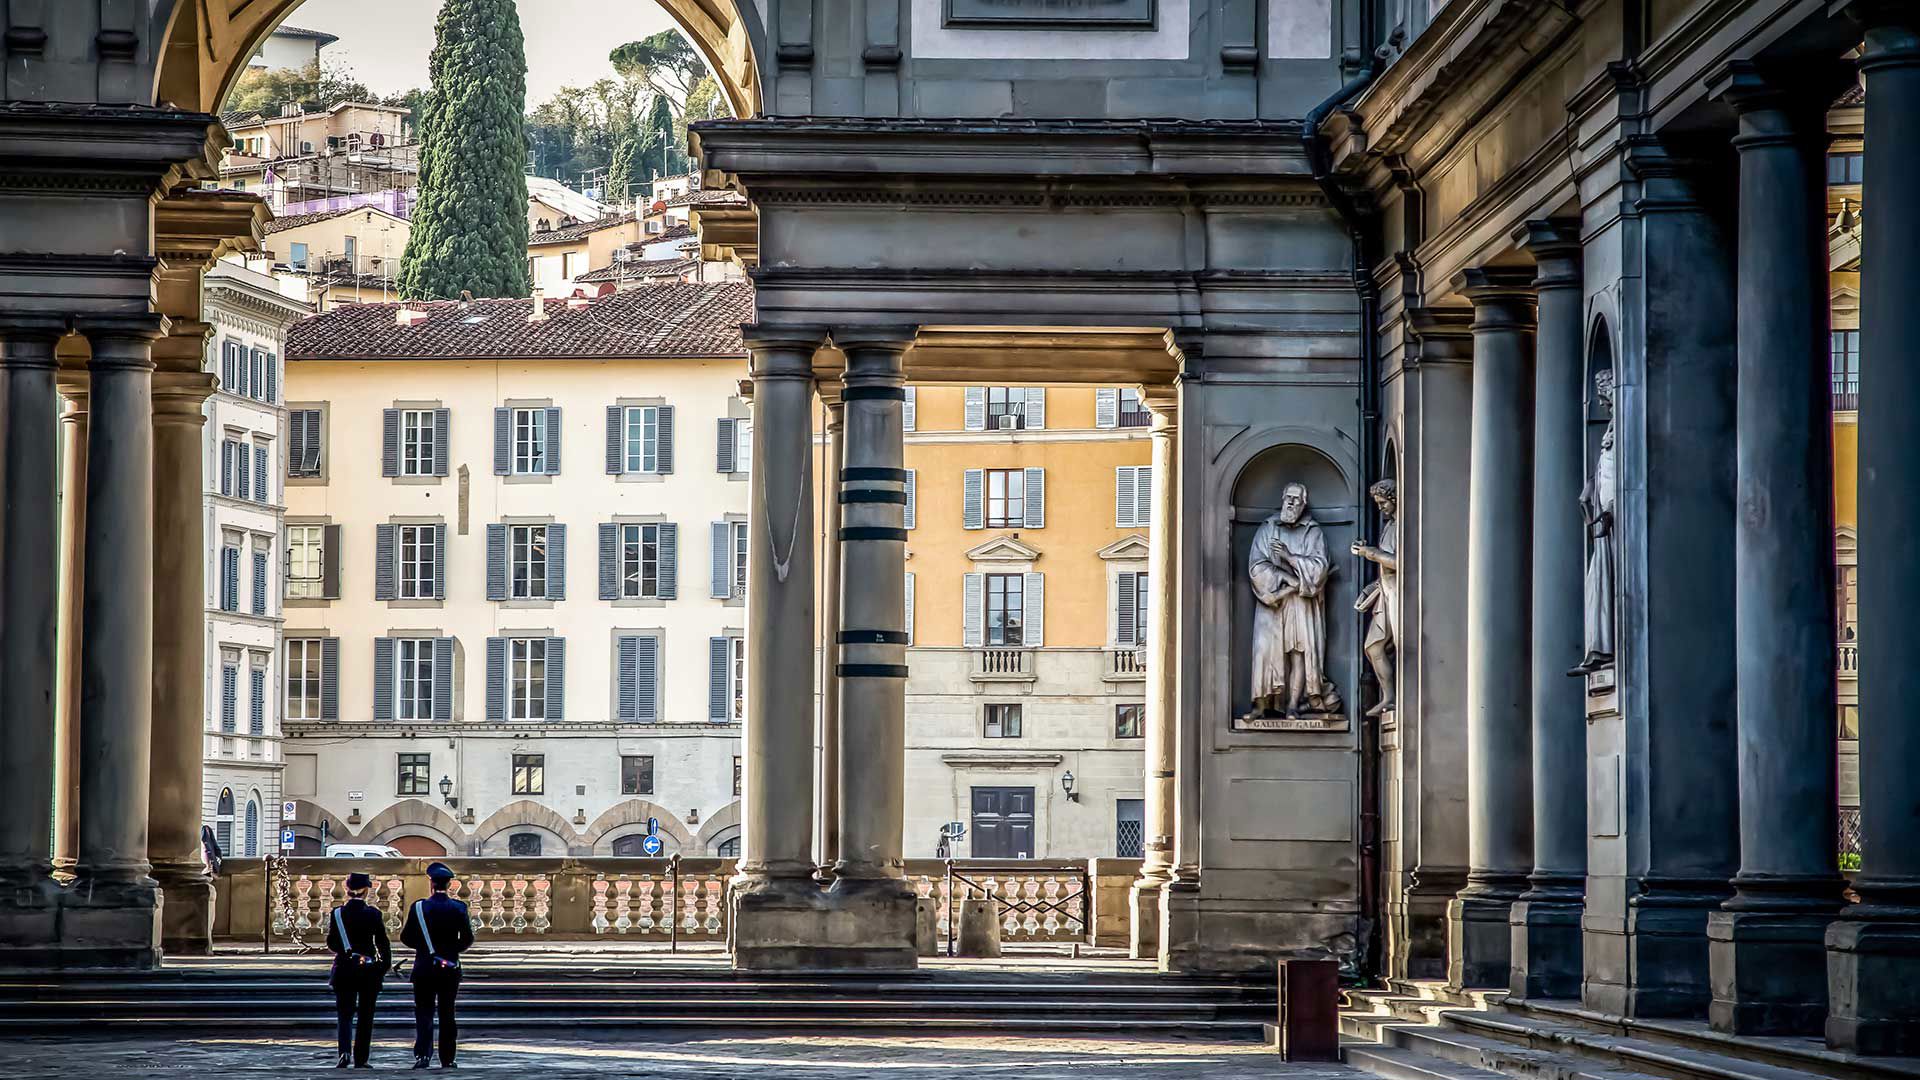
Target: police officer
{"type": "Point", "coordinates": [357, 935]}
{"type": "Point", "coordinates": [438, 930]}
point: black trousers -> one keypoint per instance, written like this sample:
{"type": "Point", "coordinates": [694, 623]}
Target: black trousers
{"type": "Point", "coordinates": [353, 1001]}
{"type": "Point", "coordinates": [429, 996]}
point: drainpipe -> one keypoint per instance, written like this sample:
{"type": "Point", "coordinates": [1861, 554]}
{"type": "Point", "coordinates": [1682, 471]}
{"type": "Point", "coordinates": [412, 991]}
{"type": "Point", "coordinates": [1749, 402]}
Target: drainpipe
{"type": "Point", "coordinates": [1361, 229]}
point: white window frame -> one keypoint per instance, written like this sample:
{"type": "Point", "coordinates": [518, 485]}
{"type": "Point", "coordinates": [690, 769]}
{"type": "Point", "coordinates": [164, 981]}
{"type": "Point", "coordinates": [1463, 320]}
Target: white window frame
{"type": "Point", "coordinates": [640, 439]}
{"type": "Point", "coordinates": [1141, 513]}
{"type": "Point", "coordinates": [1014, 506]}
{"type": "Point", "coordinates": [1013, 402]}
{"type": "Point", "coordinates": [742, 446]}
{"type": "Point", "coordinates": [414, 561]}
{"type": "Point", "coordinates": [416, 442]}
{"type": "Point", "coordinates": [527, 562]}
{"type": "Point", "coordinates": [639, 547]}
{"type": "Point", "coordinates": [306, 561]}
{"type": "Point", "coordinates": [527, 678]}
{"type": "Point", "coordinates": [1017, 592]}
{"type": "Point", "coordinates": [737, 535]}
{"type": "Point", "coordinates": [303, 670]}
{"type": "Point", "coordinates": [737, 677]}
{"type": "Point", "coordinates": [530, 441]}
{"type": "Point", "coordinates": [413, 678]}
{"type": "Point", "coordinates": [993, 720]}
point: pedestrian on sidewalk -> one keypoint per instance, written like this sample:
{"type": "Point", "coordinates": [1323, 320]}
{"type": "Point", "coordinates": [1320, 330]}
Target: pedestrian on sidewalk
{"type": "Point", "coordinates": [357, 935]}
{"type": "Point", "coordinates": [438, 930]}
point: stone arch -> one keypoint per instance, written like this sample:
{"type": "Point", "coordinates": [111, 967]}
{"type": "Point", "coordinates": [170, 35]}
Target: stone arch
{"type": "Point", "coordinates": [415, 817]}
{"type": "Point", "coordinates": [526, 812]}
{"type": "Point", "coordinates": [630, 817]}
{"type": "Point", "coordinates": [309, 836]}
{"type": "Point", "coordinates": [727, 817]}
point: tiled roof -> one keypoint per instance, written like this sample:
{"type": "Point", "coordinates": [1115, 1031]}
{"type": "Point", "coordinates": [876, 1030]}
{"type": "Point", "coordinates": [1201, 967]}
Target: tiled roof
{"type": "Point", "coordinates": [674, 319]}
{"type": "Point", "coordinates": [707, 196]}
{"type": "Point", "coordinates": [678, 232]}
{"type": "Point", "coordinates": [636, 269]}
{"type": "Point", "coordinates": [300, 32]}
{"type": "Point", "coordinates": [294, 221]}
{"type": "Point", "coordinates": [579, 230]}
{"type": "Point", "coordinates": [1856, 94]}
{"type": "Point", "coordinates": [236, 117]}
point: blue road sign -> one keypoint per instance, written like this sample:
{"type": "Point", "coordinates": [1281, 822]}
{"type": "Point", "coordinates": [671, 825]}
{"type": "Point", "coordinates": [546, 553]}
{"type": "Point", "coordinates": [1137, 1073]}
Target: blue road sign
{"type": "Point", "coordinates": [652, 846]}
{"type": "Point", "coordinates": [653, 826]}
{"type": "Point", "coordinates": [286, 838]}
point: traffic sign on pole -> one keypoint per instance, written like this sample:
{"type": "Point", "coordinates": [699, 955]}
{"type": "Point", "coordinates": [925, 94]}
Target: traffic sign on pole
{"type": "Point", "coordinates": [286, 838]}
{"type": "Point", "coordinates": [652, 846]}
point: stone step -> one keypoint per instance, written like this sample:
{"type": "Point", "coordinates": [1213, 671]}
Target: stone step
{"type": "Point", "coordinates": [1407, 1065]}
{"type": "Point", "coordinates": [1807, 1056]}
{"type": "Point", "coordinates": [728, 990]}
{"type": "Point", "coordinates": [319, 1018]}
{"type": "Point", "coordinates": [1497, 1055]}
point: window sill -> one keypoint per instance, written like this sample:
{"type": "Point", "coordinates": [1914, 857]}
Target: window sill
{"type": "Point", "coordinates": [528, 603]}
{"type": "Point", "coordinates": [981, 677]}
{"type": "Point", "coordinates": [527, 478]}
{"type": "Point", "coordinates": [641, 478]}
{"type": "Point", "coordinates": [416, 603]}
{"type": "Point", "coordinates": [308, 602]}
{"type": "Point", "coordinates": [639, 602]}
{"type": "Point", "coordinates": [417, 481]}
{"type": "Point", "coordinates": [307, 481]}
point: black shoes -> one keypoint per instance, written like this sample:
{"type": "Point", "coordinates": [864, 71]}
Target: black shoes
{"type": "Point", "coordinates": [342, 1062]}
{"type": "Point", "coordinates": [420, 1061]}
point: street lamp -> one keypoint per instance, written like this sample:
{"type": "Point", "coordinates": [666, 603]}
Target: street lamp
{"type": "Point", "coordinates": [446, 791]}
{"type": "Point", "coordinates": [1066, 785]}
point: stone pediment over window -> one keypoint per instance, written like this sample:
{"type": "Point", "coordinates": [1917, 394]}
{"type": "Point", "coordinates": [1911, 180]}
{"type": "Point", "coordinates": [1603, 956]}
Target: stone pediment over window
{"type": "Point", "coordinates": [1007, 549]}
{"type": "Point", "coordinates": [1126, 549]}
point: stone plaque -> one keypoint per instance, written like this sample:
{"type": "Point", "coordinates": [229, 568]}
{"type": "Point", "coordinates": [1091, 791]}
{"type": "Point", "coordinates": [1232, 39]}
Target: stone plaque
{"type": "Point", "coordinates": [1052, 14]}
{"type": "Point", "coordinates": [1303, 722]}
{"type": "Point", "coordinates": [1603, 795]}
{"type": "Point", "coordinates": [1290, 810]}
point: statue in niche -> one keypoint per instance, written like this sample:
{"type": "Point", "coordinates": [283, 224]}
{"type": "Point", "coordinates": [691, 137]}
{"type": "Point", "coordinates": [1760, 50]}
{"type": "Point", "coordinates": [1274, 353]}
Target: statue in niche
{"type": "Point", "coordinates": [1382, 595]}
{"type": "Point", "coordinates": [1288, 568]}
{"type": "Point", "coordinates": [1597, 505]}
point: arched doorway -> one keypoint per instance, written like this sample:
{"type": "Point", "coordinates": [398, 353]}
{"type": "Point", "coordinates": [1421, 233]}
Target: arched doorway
{"type": "Point", "coordinates": [417, 847]}
{"type": "Point", "coordinates": [252, 832]}
{"type": "Point", "coordinates": [223, 821]}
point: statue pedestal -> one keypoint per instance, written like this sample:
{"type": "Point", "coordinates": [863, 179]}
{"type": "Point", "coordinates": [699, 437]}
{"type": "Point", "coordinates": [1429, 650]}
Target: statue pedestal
{"type": "Point", "coordinates": [1301, 722]}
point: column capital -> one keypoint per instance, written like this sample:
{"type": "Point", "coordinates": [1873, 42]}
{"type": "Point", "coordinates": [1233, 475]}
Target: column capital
{"type": "Point", "coordinates": [1555, 246]}
{"type": "Point", "coordinates": [179, 395]}
{"type": "Point", "coordinates": [1502, 296]}
{"type": "Point", "coordinates": [1892, 30]}
{"type": "Point", "coordinates": [1778, 102]}
{"type": "Point", "coordinates": [782, 351]}
{"type": "Point", "coordinates": [1163, 401]}
{"type": "Point", "coordinates": [122, 341]}
{"type": "Point", "coordinates": [896, 339]}
{"type": "Point", "coordinates": [29, 328]}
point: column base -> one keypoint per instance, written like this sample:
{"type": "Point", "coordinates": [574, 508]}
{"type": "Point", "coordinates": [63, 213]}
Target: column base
{"type": "Point", "coordinates": [1143, 909]}
{"type": "Point", "coordinates": [857, 925]}
{"type": "Point", "coordinates": [1480, 941]}
{"type": "Point", "coordinates": [1874, 999]}
{"type": "Point", "coordinates": [1768, 971]}
{"type": "Point", "coordinates": [1201, 935]}
{"type": "Point", "coordinates": [114, 925]}
{"type": "Point", "coordinates": [1545, 940]}
{"type": "Point", "coordinates": [186, 918]}
{"type": "Point", "coordinates": [1658, 959]}
{"type": "Point", "coordinates": [1417, 925]}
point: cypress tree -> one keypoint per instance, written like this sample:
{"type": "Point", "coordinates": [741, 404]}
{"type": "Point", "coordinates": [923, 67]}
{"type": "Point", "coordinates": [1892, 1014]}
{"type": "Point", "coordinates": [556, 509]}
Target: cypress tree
{"type": "Point", "coordinates": [470, 224]}
{"type": "Point", "coordinates": [620, 175]}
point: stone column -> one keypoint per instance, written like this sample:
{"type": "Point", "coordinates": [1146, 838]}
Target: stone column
{"type": "Point", "coordinates": [774, 893]}
{"type": "Point", "coordinates": [870, 894]}
{"type": "Point", "coordinates": [179, 662]}
{"type": "Point", "coordinates": [1767, 946]}
{"type": "Point", "coordinates": [73, 518]}
{"type": "Point", "coordinates": [113, 911]}
{"type": "Point", "coordinates": [1874, 950]}
{"type": "Point", "coordinates": [29, 531]}
{"type": "Point", "coordinates": [1499, 621]}
{"type": "Point", "coordinates": [1163, 708]}
{"type": "Point", "coordinates": [834, 459]}
{"type": "Point", "coordinates": [1546, 921]}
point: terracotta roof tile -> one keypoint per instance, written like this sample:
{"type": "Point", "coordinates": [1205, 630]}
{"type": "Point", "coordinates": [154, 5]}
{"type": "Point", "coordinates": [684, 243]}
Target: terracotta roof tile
{"type": "Point", "coordinates": [635, 269]}
{"type": "Point", "coordinates": [674, 319]}
{"type": "Point", "coordinates": [294, 221]}
{"type": "Point", "coordinates": [578, 230]}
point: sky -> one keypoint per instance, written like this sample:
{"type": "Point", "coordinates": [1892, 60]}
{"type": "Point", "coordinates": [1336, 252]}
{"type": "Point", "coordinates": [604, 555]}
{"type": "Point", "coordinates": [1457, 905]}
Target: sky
{"type": "Point", "coordinates": [386, 42]}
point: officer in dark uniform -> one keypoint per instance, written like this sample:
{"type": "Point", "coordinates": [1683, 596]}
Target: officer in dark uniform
{"type": "Point", "coordinates": [438, 930]}
{"type": "Point", "coordinates": [357, 935]}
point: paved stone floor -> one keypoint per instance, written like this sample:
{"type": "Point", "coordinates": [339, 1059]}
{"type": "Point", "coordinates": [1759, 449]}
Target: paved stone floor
{"type": "Point", "coordinates": [785, 1058]}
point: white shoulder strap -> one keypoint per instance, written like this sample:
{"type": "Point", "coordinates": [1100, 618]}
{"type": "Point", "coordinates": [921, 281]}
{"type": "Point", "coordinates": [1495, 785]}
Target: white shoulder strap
{"type": "Point", "coordinates": [340, 921]}
{"type": "Point", "coordinates": [426, 935]}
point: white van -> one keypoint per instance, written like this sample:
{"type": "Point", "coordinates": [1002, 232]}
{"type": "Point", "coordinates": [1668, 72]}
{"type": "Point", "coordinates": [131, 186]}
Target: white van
{"type": "Point", "coordinates": [362, 851]}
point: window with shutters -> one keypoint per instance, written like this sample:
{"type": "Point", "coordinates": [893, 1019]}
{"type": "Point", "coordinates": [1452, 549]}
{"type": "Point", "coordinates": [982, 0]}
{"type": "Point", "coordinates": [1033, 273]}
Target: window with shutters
{"type": "Point", "coordinates": [527, 562]}
{"type": "Point", "coordinates": [1006, 408]}
{"type": "Point", "coordinates": [413, 679]}
{"type": "Point", "coordinates": [642, 439]}
{"type": "Point", "coordinates": [1130, 720]}
{"type": "Point", "coordinates": [305, 437]}
{"type": "Point", "coordinates": [257, 376]}
{"type": "Point", "coordinates": [416, 442]}
{"type": "Point", "coordinates": [738, 531]}
{"type": "Point", "coordinates": [261, 561]}
{"type": "Point", "coordinates": [416, 774]}
{"type": "Point", "coordinates": [223, 821]}
{"type": "Point", "coordinates": [303, 666]}
{"type": "Point", "coordinates": [1132, 496]}
{"type": "Point", "coordinates": [742, 446]}
{"type": "Point", "coordinates": [417, 559]}
{"type": "Point", "coordinates": [1005, 608]}
{"type": "Point", "coordinates": [736, 779]}
{"type": "Point", "coordinates": [229, 691]}
{"type": "Point", "coordinates": [527, 678]}
{"type": "Point", "coordinates": [1006, 498]}
{"type": "Point", "coordinates": [640, 562]}
{"type": "Point", "coordinates": [530, 774]}
{"type": "Point", "coordinates": [257, 695]}
{"type": "Point", "coordinates": [1130, 608]}
{"type": "Point", "coordinates": [306, 563]}
{"type": "Point", "coordinates": [529, 441]}
{"type": "Point", "coordinates": [1002, 721]}
{"type": "Point", "coordinates": [1133, 414]}
{"type": "Point", "coordinates": [737, 677]}
{"type": "Point", "coordinates": [636, 774]}
{"type": "Point", "coordinates": [230, 577]}
{"type": "Point", "coordinates": [234, 463]}
{"type": "Point", "coordinates": [636, 678]}
{"type": "Point", "coordinates": [262, 472]}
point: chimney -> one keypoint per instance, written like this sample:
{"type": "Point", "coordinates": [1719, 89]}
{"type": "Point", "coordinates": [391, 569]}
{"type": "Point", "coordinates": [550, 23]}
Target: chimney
{"type": "Point", "coordinates": [466, 296]}
{"type": "Point", "coordinates": [578, 301]}
{"type": "Point", "coordinates": [406, 316]}
{"type": "Point", "coordinates": [539, 311]}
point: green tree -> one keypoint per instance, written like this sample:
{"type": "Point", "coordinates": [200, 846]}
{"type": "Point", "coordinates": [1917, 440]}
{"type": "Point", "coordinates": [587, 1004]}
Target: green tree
{"type": "Point", "coordinates": [664, 61]}
{"type": "Point", "coordinates": [470, 225]}
{"type": "Point", "coordinates": [664, 146]}
{"type": "Point", "coordinates": [313, 88]}
{"type": "Point", "coordinates": [620, 175]}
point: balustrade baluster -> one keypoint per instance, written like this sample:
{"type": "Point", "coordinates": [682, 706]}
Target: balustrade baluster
{"type": "Point", "coordinates": [542, 886]}
{"type": "Point", "coordinates": [599, 920]}
{"type": "Point", "coordinates": [497, 890]}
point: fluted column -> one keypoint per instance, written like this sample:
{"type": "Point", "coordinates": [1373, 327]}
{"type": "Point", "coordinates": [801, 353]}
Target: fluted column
{"type": "Point", "coordinates": [1874, 949]}
{"type": "Point", "coordinates": [179, 662]}
{"type": "Point", "coordinates": [73, 518]}
{"type": "Point", "coordinates": [1163, 573]}
{"type": "Point", "coordinates": [1499, 622]}
{"type": "Point", "coordinates": [835, 460]}
{"type": "Point", "coordinates": [1546, 921]}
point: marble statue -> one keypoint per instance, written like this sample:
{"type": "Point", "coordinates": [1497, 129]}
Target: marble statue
{"type": "Point", "coordinates": [1597, 505]}
{"type": "Point", "coordinates": [1289, 569]}
{"type": "Point", "coordinates": [1381, 597]}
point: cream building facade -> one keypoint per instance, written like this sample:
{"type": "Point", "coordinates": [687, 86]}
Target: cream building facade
{"type": "Point", "coordinates": [515, 602]}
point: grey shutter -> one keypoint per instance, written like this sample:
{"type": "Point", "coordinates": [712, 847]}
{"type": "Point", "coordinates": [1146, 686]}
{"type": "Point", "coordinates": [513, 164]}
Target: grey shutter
{"type": "Point", "coordinates": [296, 440]}
{"type": "Point", "coordinates": [976, 410]}
{"type": "Point", "coordinates": [385, 567]}
{"type": "Point", "coordinates": [502, 442]}
{"type": "Point", "coordinates": [496, 562]}
{"type": "Point", "coordinates": [439, 562]}
{"type": "Point", "coordinates": [1123, 496]}
{"type": "Point", "coordinates": [973, 600]}
{"type": "Point", "coordinates": [330, 678]}
{"type": "Point", "coordinates": [907, 410]}
{"type": "Point", "coordinates": [330, 562]}
{"type": "Point", "coordinates": [226, 466]}
{"type": "Point", "coordinates": [442, 425]}
{"type": "Point", "coordinates": [383, 678]}
{"type": "Point", "coordinates": [1124, 616]}
{"type": "Point", "coordinates": [259, 583]}
{"type": "Point", "coordinates": [664, 427]}
{"type": "Point", "coordinates": [1143, 496]}
{"type": "Point", "coordinates": [911, 473]}
{"type": "Point", "coordinates": [609, 561]}
{"type": "Point", "coordinates": [556, 678]}
{"type": "Point", "coordinates": [1033, 610]}
{"type": "Point", "coordinates": [1034, 414]}
{"type": "Point", "coordinates": [229, 696]}
{"type": "Point", "coordinates": [443, 678]}
{"type": "Point", "coordinates": [908, 627]}
{"type": "Point", "coordinates": [723, 447]}
{"type": "Point", "coordinates": [669, 573]}
{"type": "Point", "coordinates": [1106, 407]}
{"type": "Point", "coordinates": [556, 562]}
{"type": "Point", "coordinates": [616, 449]}
{"type": "Point", "coordinates": [229, 579]}
{"type": "Point", "coordinates": [553, 442]}
{"type": "Point", "coordinates": [273, 378]}
{"type": "Point", "coordinates": [973, 505]}
{"type": "Point", "coordinates": [627, 679]}
{"type": "Point", "coordinates": [315, 455]}
{"type": "Point", "coordinates": [390, 442]}
{"type": "Point", "coordinates": [242, 487]}
{"type": "Point", "coordinates": [1035, 492]}
{"type": "Point", "coordinates": [722, 561]}
{"type": "Point", "coordinates": [257, 701]}
{"type": "Point", "coordinates": [647, 680]}
{"type": "Point", "coordinates": [718, 659]}
{"type": "Point", "coordinates": [496, 680]}
{"type": "Point", "coordinates": [260, 492]}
